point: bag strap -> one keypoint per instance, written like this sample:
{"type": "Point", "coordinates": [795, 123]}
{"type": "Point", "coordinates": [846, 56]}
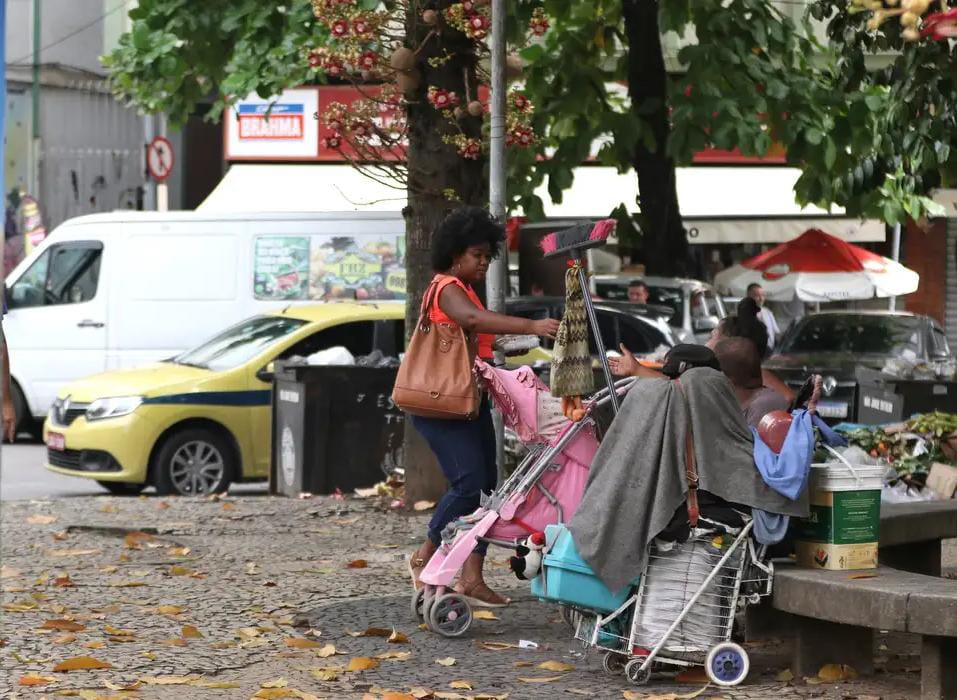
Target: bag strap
{"type": "Point", "coordinates": [691, 464]}
{"type": "Point", "coordinates": [428, 301]}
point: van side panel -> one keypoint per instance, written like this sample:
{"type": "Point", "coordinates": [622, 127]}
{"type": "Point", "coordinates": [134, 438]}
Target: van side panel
{"type": "Point", "coordinates": [177, 287]}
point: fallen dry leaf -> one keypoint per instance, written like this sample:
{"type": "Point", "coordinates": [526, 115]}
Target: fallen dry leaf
{"type": "Point", "coordinates": [63, 581]}
{"type": "Point", "coordinates": [168, 610]}
{"type": "Point", "coordinates": [60, 535]}
{"type": "Point", "coordinates": [830, 673]}
{"type": "Point", "coordinates": [35, 679]}
{"type": "Point", "coordinates": [523, 664]}
{"type": "Point", "coordinates": [395, 655]}
{"type": "Point", "coordinates": [65, 639]}
{"type": "Point", "coordinates": [389, 695]}
{"type": "Point", "coordinates": [447, 661]}
{"type": "Point", "coordinates": [116, 632]}
{"type": "Point", "coordinates": [128, 687]}
{"type": "Point", "coordinates": [41, 519]}
{"type": "Point", "coordinates": [277, 683]}
{"type": "Point", "coordinates": [498, 646]}
{"type": "Point", "coordinates": [171, 680]}
{"type": "Point", "coordinates": [109, 569]}
{"type": "Point", "coordinates": [485, 615]}
{"type": "Point", "coordinates": [579, 691]}
{"type": "Point", "coordinates": [177, 570]}
{"type": "Point", "coordinates": [420, 506]}
{"type": "Point", "coordinates": [300, 643]}
{"type": "Point", "coordinates": [178, 551]}
{"type": "Point", "coordinates": [81, 663]}
{"type": "Point", "coordinates": [136, 539]}
{"type": "Point", "coordinates": [326, 651]}
{"type": "Point", "coordinates": [357, 564]}
{"type": "Point", "coordinates": [556, 666]}
{"type": "Point", "coordinates": [63, 625]}
{"type": "Point", "coordinates": [325, 674]}
{"type": "Point", "coordinates": [397, 637]}
{"type": "Point", "coordinates": [460, 685]}
{"type": "Point", "coordinates": [127, 584]}
{"type": "Point", "coordinates": [248, 632]}
{"type": "Point", "coordinates": [229, 506]}
{"type": "Point", "coordinates": [855, 577]}
{"type": "Point", "coordinates": [97, 644]}
{"type": "Point", "coordinates": [174, 642]}
{"type": "Point", "coordinates": [785, 676]}
{"type": "Point", "coordinates": [109, 508]}
{"type": "Point", "coordinates": [373, 632]}
{"type": "Point", "coordinates": [252, 568]}
{"type": "Point", "coordinates": [219, 685]}
{"type": "Point", "coordinates": [72, 552]}
{"type": "Point", "coordinates": [362, 663]}
{"type": "Point", "coordinates": [161, 505]}
{"type": "Point", "coordinates": [545, 679]}
{"type": "Point", "coordinates": [149, 655]}
{"type": "Point", "coordinates": [190, 632]}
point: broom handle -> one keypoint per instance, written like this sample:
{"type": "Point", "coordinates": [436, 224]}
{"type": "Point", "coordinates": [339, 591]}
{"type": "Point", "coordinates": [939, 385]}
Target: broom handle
{"type": "Point", "coordinates": [593, 320]}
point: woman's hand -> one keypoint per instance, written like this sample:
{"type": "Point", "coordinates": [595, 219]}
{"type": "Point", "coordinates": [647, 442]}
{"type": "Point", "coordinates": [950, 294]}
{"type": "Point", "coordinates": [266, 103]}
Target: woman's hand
{"type": "Point", "coordinates": [624, 366]}
{"type": "Point", "coordinates": [546, 327]}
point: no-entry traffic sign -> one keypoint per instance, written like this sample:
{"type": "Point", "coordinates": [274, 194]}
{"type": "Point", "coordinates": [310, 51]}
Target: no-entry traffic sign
{"type": "Point", "coordinates": [159, 158]}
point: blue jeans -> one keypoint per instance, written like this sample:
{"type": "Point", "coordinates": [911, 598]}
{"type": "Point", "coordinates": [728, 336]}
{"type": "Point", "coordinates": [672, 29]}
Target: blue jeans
{"type": "Point", "coordinates": [466, 453]}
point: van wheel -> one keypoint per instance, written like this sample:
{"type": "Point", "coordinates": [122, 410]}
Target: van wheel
{"type": "Point", "coordinates": [193, 462]}
{"type": "Point", "coordinates": [122, 488]}
{"type": "Point", "coordinates": [25, 422]}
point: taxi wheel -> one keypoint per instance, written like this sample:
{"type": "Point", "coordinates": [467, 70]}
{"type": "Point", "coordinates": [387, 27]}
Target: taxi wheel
{"type": "Point", "coordinates": [193, 462]}
{"type": "Point", "coordinates": [122, 488]}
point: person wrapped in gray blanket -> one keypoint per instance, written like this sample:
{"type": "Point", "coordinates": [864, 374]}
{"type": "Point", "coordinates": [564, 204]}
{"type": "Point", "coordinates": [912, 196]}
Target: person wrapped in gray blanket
{"type": "Point", "coordinates": [638, 476]}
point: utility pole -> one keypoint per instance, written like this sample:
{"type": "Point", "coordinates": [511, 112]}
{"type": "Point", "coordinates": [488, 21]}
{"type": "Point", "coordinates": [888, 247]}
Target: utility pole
{"type": "Point", "coordinates": [34, 179]}
{"type": "Point", "coordinates": [497, 279]}
{"type": "Point", "coordinates": [895, 256]}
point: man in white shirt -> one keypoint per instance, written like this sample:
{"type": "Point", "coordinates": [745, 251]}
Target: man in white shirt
{"type": "Point", "coordinates": [756, 292]}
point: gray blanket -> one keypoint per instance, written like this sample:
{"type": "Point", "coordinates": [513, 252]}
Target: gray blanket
{"type": "Point", "coordinates": [637, 479]}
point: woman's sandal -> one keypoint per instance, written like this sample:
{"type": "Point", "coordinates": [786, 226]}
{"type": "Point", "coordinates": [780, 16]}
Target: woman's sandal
{"type": "Point", "coordinates": [480, 595]}
{"type": "Point", "coordinates": [415, 567]}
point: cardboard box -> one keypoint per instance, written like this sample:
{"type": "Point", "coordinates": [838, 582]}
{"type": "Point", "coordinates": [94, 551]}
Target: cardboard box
{"type": "Point", "coordinates": [842, 530]}
{"type": "Point", "coordinates": [942, 480]}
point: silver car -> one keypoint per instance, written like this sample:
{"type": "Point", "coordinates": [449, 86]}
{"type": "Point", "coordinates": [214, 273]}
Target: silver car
{"type": "Point", "coordinates": [696, 305]}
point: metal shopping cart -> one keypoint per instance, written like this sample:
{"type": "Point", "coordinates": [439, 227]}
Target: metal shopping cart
{"type": "Point", "coordinates": [682, 611]}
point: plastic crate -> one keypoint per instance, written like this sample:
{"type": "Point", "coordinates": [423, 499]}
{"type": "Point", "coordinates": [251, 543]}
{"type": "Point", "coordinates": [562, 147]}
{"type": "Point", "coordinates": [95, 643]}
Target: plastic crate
{"type": "Point", "coordinates": [567, 579]}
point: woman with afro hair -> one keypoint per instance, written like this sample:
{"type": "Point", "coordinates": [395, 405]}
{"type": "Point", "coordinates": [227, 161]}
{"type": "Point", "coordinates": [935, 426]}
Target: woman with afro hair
{"type": "Point", "coordinates": [463, 246]}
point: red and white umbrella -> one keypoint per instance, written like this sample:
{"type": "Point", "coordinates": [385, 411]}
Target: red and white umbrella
{"type": "Point", "coordinates": [819, 267]}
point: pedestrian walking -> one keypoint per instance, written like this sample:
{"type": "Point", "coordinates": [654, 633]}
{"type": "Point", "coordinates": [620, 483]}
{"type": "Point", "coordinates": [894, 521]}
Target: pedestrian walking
{"type": "Point", "coordinates": [756, 294]}
{"type": "Point", "coordinates": [462, 248]}
{"type": "Point", "coordinates": [9, 413]}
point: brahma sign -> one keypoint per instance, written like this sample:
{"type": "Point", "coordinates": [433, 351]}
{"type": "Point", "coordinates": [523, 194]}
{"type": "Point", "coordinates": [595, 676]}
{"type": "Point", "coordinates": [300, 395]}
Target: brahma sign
{"type": "Point", "coordinates": [282, 129]}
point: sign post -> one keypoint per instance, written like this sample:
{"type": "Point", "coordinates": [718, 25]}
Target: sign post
{"type": "Point", "coordinates": [159, 162]}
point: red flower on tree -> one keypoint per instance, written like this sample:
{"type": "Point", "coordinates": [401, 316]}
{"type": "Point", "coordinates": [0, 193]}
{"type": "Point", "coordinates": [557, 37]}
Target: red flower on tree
{"type": "Point", "coordinates": [471, 149]}
{"type": "Point", "coordinates": [315, 59]}
{"type": "Point", "coordinates": [522, 103]}
{"type": "Point", "coordinates": [334, 67]}
{"type": "Point", "coordinates": [442, 99]}
{"type": "Point", "coordinates": [339, 28]}
{"type": "Point", "coordinates": [368, 60]}
{"type": "Point", "coordinates": [331, 142]}
{"type": "Point", "coordinates": [539, 22]}
{"type": "Point", "coordinates": [361, 27]}
{"type": "Point", "coordinates": [478, 26]}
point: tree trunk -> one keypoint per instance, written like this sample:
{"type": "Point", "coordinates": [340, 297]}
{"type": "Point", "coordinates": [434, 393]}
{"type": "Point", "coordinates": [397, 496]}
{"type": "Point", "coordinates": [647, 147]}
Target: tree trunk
{"type": "Point", "coordinates": [435, 168]}
{"type": "Point", "coordinates": [664, 243]}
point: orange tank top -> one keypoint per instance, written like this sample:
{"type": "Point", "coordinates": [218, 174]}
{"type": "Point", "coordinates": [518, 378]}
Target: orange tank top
{"type": "Point", "coordinates": [436, 315]}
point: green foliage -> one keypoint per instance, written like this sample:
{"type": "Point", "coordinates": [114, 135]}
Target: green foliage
{"type": "Point", "coordinates": [872, 141]}
{"type": "Point", "coordinates": [179, 53]}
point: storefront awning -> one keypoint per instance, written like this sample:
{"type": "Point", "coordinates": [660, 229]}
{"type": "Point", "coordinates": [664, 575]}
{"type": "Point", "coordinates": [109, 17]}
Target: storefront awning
{"type": "Point", "coordinates": [741, 204]}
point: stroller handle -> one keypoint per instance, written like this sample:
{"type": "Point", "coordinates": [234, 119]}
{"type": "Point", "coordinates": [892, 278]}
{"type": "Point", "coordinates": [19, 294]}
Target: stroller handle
{"type": "Point", "coordinates": [603, 396]}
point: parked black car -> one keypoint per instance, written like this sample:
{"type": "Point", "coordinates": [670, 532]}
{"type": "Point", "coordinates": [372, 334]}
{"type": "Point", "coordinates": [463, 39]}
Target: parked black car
{"type": "Point", "coordinates": [835, 343]}
{"type": "Point", "coordinates": [642, 328]}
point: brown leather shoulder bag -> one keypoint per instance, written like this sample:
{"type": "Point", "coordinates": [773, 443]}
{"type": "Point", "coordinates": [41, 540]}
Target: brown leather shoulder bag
{"type": "Point", "coordinates": [435, 378]}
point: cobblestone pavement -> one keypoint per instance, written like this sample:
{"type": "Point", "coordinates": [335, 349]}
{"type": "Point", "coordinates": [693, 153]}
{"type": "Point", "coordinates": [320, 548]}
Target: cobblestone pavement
{"type": "Point", "coordinates": [208, 602]}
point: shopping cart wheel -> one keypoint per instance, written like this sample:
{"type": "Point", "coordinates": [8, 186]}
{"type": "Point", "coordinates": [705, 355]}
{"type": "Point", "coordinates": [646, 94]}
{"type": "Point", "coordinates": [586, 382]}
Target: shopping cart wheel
{"type": "Point", "coordinates": [727, 664]}
{"type": "Point", "coordinates": [570, 616]}
{"type": "Point", "coordinates": [450, 615]}
{"type": "Point", "coordinates": [634, 673]}
{"type": "Point", "coordinates": [418, 604]}
{"type": "Point", "coordinates": [613, 664]}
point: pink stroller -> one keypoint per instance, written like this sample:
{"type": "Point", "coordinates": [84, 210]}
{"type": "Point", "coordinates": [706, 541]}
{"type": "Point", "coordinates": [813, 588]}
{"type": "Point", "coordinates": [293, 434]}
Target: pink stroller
{"type": "Point", "coordinates": [544, 489]}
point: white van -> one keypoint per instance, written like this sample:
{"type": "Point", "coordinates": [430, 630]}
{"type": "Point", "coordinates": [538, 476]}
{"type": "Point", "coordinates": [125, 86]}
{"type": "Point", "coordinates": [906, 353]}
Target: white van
{"type": "Point", "coordinates": [109, 291]}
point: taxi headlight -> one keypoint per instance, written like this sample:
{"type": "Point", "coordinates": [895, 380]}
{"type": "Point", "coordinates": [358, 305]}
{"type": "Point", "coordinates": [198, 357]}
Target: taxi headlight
{"type": "Point", "coordinates": [113, 407]}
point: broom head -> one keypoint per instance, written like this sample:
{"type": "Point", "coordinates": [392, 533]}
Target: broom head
{"type": "Point", "coordinates": [581, 237]}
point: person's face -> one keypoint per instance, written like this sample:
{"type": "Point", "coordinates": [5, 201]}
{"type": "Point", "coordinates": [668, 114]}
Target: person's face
{"type": "Point", "coordinates": [758, 295]}
{"type": "Point", "coordinates": [638, 294]}
{"type": "Point", "coordinates": [472, 265]}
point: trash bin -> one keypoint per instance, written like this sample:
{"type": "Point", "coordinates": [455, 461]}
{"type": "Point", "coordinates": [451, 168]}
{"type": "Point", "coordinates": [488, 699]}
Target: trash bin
{"type": "Point", "coordinates": [333, 427]}
{"type": "Point", "coordinates": [886, 399]}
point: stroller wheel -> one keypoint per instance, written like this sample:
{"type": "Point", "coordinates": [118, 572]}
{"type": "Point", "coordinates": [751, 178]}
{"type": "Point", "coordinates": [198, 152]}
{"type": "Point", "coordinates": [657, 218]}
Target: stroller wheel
{"type": "Point", "coordinates": [450, 615]}
{"type": "Point", "coordinates": [727, 664]}
{"type": "Point", "coordinates": [612, 663]}
{"type": "Point", "coordinates": [634, 673]}
{"type": "Point", "coordinates": [418, 604]}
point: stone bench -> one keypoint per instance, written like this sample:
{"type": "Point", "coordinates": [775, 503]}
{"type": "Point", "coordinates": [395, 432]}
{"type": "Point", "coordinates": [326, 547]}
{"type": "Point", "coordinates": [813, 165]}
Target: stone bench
{"type": "Point", "coordinates": [833, 614]}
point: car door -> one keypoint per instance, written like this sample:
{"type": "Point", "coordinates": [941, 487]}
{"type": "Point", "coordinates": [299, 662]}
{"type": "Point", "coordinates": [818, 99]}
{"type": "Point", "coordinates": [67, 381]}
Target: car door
{"type": "Point", "coordinates": [356, 336]}
{"type": "Point", "coordinates": [57, 321]}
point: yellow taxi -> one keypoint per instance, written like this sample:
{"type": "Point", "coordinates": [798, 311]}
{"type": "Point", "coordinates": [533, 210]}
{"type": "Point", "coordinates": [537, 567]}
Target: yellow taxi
{"type": "Point", "coordinates": [195, 423]}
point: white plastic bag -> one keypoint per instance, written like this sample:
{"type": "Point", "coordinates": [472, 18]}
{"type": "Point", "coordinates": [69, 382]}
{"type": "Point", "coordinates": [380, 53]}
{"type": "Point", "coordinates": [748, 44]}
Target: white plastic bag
{"type": "Point", "coordinates": [336, 355]}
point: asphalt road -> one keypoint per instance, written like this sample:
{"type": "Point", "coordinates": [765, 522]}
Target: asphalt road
{"type": "Point", "coordinates": [23, 476]}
